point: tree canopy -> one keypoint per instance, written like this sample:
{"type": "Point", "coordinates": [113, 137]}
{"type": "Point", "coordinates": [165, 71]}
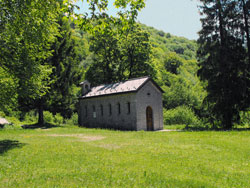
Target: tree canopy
{"type": "Point", "coordinates": [224, 58]}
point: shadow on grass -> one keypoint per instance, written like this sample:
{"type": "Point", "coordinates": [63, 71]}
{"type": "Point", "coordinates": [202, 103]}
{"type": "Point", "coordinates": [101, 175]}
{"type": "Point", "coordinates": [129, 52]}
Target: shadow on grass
{"type": "Point", "coordinates": [39, 126]}
{"type": "Point", "coordinates": [6, 145]}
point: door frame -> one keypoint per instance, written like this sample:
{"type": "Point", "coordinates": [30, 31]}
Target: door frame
{"type": "Point", "coordinates": [149, 120]}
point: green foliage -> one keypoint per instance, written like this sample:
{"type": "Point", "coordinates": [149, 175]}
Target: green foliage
{"type": "Point", "coordinates": [30, 116]}
{"type": "Point", "coordinates": [183, 88]}
{"type": "Point", "coordinates": [66, 74]}
{"type": "Point", "coordinates": [224, 58]}
{"type": "Point", "coordinates": [181, 115]}
{"type": "Point", "coordinates": [245, 118]}
{"type": "Point", "coordinates": [58, 119]}
{"type": "Point", "coordinates": [73, 120]}
{"type": "Point", "coordinates": [183, 47]}
{"type": "Point", "coordinates": [26, 32]}
{"type": "Point", "coordinates": [8, 94]}
{"type": "Point", "coordinates": [2, 114]}
{"type": "Point", "coordinates": [172, 62]}
{"type": "Point", "coordinates": [118, 54]}
{"type": "Point", "coordinates": [43, 62]}
{"type": "Point", "coordinates": [48, 117]}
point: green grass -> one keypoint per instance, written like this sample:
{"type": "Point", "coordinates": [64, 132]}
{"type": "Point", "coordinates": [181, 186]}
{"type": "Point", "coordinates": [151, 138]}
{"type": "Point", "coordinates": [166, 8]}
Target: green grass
{"type": "Point", "coordinates": [79, 157]}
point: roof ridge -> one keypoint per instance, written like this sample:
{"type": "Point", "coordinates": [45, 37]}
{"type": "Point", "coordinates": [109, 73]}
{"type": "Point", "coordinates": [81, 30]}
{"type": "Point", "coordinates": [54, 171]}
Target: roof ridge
{"type": "Point", "coordinates": [138, 78]}
{"type": "Point", "coordinates": [123, 81]}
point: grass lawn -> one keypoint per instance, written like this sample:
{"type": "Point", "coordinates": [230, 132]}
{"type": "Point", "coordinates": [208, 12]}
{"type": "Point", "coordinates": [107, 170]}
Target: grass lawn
{"type": "Point", "coordinates": [79, 157]}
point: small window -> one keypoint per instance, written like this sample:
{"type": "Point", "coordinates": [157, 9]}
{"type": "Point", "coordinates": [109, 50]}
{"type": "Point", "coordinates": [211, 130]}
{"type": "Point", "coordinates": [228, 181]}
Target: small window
{"type": "Point", "coordinates": [148, 94]}
{"type": "Point", "coordinates": [86, 111]}
{"type": "Point", "coordinates": [94, 112]}
{"type": "Point", "coordinates": [110, 109]}
{"type": "Point", "coordinates": [128, 107]}
{"type": "Point", "coordinates": [101, 109]}
{"type": "Point", "coordinates": [87, 87]}
{"type": "Point", "coordinates": [119, 108]}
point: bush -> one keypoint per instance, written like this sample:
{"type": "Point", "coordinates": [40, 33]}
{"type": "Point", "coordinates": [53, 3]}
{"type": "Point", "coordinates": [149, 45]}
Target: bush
{"type": "Point", "coordinates": [73, 120]}
{"type": "Point", "coordinates": [181, 115]}
{"type": "Point", "coordinates": [48, 117]}
{"type": "Point", "coordinates": [2, 114]}
{"type": "Point", "coordinates": [30, 116]}
{"type": "Point", "coordinates": [58, 119]}
{"type": "Point", "coordinates": [245, 119]}
{"type": "Point", "coordinates": [14, 122]}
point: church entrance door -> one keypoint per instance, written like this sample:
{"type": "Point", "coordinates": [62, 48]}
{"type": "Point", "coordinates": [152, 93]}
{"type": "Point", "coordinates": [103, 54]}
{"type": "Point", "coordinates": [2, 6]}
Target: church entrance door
{"type": "Point", "coordinates": [149, 114]}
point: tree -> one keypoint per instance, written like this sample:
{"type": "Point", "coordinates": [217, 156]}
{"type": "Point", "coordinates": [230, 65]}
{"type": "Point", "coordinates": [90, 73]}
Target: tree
{"type": "Point", "coordinates": [104, 44]}
{"type": "Point", "coordinates": [8, 94]}
{"type": "Point", "coordinates": [136, 51]}
{"type": "Point", "coordinates": [66, 73]}
{"type": "Point", "coordinates": [27, 29]}
{"type": "Point", "coordinates": [109, 42]}
{"type": "Point", "coordinates": [223, 59]}
{"type": "Point", "coordinates": [118, 54]}
{"type": "Point", "coordinates": [172, 62]}
{"type": "Point", "coordinates": [65, 76]}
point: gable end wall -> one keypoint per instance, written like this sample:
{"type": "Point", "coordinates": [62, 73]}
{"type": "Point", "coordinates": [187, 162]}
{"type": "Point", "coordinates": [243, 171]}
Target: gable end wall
{"type": "Point", "coordinates": [154, 100]}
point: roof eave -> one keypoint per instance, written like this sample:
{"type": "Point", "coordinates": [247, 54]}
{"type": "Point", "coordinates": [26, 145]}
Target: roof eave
{"type": "Point", "coordinates": [94, 96]}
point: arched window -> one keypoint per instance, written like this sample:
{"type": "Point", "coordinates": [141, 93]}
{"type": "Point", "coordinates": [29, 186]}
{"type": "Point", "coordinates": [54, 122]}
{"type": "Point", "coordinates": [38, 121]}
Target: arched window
{"type": "Point", "coordinates": [119, 108]}
{"type": "Point", "coordinates": [128, 107]}
{"type": "Point", "coordinates": [101, 107]}
{"type": "Point", "coordinates": [110, 109]}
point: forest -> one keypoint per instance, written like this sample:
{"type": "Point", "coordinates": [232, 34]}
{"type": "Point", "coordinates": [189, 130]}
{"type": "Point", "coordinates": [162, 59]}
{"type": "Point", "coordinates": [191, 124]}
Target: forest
{"type": "Point", "coordinates": [46, 50]}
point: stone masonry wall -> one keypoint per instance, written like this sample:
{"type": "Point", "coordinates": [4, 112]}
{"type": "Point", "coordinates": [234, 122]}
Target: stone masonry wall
{"type": "Point", "coordinates": [94, 117]}
{"type": "Point", "coordinates": [149, 95]}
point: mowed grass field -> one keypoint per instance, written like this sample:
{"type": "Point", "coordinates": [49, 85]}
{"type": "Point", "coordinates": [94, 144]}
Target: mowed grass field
{"type": "Point", "coordinates": [79, 157]}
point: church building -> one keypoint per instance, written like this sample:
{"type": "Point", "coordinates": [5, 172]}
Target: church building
{"type": "Point", "coordinates": [135, 104]}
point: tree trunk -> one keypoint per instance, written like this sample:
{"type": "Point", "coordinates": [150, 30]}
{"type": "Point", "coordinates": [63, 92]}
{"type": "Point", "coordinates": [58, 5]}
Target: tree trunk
{"type": "Point", "coordinates": [40, 113]}
{"type": "Point", "coordinates": [228, 123]}
{"type": "Point", "coordinates": [246, 15]}
{"type": "Point", "coordinates": [221, 24]}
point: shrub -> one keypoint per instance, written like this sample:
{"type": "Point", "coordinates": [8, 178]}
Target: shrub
{"type": "Point", "coordinates": [48, 117]}
{"type": "Point", "coordinates": [14, 121]}
{"type": "Point", "coordinates": [245, 118]}
{"type": "Point", "coordinates": [73, 120]}
{"type": "Point", "coordinates": [30, 116]}
{"type": "Point", "coordinates": [161, 33]}
{"type": "Point", "coordinates": [58, 119]}
{"type": "Point", "coordinates": [181, 115]}
{"type": "Point", "coordinates": [2, 114]}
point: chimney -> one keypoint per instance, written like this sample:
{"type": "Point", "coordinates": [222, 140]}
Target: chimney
{"type": "Point", "coordinates": [85, 87]}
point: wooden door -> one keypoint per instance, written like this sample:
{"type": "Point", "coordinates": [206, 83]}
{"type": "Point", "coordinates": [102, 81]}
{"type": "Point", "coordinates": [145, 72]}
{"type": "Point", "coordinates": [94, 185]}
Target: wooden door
{"type": "Point", "coordinates": [149, 115]}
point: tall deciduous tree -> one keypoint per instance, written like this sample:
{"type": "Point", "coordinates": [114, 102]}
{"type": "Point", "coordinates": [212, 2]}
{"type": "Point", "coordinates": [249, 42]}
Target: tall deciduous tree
{"type": "Point", "coordinates": [26, 30]}
{"type": "Point", "coordinates": [223, 58]}
{"type": "Point", "coordinates": [136, 51]}
{"type": "Point", "coordinates": [119, 54]}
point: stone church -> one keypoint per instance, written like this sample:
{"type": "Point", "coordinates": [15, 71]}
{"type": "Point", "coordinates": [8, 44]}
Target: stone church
{"type": "Point", "coordinates": [135, 104]}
